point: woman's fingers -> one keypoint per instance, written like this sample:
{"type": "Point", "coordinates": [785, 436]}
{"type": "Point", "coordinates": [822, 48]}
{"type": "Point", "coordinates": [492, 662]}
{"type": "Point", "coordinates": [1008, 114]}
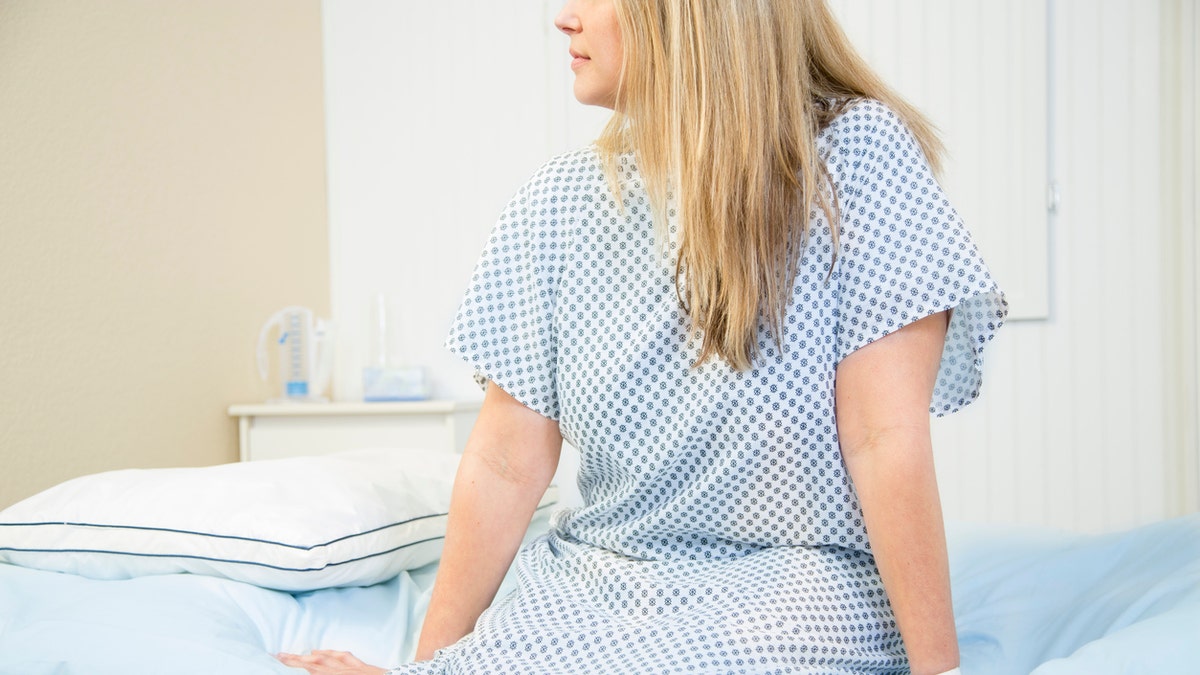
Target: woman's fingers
{"type": "Point", "coordinates": [328, 662]}
{"type": "Point", "coordinates": [291, 660]}
{"type": "Point", "coordinates": [332, 656]}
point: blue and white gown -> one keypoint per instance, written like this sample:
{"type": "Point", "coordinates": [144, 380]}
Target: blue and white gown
{"type": "Point", "coordinates": [720, 532]}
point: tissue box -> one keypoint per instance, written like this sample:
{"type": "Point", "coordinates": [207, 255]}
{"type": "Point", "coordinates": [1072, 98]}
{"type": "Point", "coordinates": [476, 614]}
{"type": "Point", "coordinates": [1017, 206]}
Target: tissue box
{"type": "Point", "coordinates": [395, 383]}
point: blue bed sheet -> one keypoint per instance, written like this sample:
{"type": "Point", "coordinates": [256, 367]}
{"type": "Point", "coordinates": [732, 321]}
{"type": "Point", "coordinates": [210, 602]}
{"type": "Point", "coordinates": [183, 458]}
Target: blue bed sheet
{"type": "Point", "coordinates": [1052, 603]}
{"type": "Point", "coordinates": [1026, 600]}
{"type": "Point", "coordinates": [182, 624]}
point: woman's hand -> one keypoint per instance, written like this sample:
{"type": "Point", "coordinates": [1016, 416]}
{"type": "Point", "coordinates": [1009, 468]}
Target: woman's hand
{"type": "Point", "coordinates": [329, 662]}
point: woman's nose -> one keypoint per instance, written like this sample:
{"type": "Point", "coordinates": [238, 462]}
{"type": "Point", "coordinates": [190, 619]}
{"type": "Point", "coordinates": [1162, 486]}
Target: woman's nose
{"type": "Point", "coordinates": [567, 20]}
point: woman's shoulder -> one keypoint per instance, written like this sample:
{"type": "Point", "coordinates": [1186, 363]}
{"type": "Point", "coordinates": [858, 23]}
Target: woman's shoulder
{"type": "Point", "coordinates": [566, 179]}
{"type": "Point", "coordinates": [862, 116]}
{"type": "Point", "coordinates": [569, 168]}
{"type": "Point", "coordinates": [556, 188]}
{"type": "Point", "coordinates": [865, 133]}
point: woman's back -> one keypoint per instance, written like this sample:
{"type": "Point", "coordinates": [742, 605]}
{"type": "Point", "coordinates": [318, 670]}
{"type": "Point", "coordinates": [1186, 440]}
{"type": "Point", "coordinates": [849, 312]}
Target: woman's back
{"type": "Point", "coordinates": [713, 462]}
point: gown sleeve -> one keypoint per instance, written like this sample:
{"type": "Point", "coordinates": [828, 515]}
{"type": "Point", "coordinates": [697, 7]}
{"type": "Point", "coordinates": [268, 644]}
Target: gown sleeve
{"type": "Point", "coordinates": [905, 254]}
{"type": "Point", "coordinates": [505, 325]}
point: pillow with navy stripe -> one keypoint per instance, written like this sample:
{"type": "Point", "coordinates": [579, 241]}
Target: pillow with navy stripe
{"type": "Point", "coordinates": [348, 519]}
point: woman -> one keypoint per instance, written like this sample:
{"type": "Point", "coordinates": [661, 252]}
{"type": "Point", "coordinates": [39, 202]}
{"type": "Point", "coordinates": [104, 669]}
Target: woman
{"type": "Point", "coordinates": [741, 306]}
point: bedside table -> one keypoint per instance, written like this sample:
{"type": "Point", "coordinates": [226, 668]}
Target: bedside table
{"type": "Point", "coordinates": [275, 431]}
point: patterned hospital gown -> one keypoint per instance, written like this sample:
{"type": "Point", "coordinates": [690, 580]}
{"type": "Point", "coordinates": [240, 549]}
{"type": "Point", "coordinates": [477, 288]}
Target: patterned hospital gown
{"type": "Point", "coordinates": [720, 532]}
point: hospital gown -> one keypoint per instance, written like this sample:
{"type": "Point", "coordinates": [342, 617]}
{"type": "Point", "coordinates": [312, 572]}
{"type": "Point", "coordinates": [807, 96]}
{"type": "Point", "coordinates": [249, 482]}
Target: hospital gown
{"type": "Point", "coordinates": [720, 532]}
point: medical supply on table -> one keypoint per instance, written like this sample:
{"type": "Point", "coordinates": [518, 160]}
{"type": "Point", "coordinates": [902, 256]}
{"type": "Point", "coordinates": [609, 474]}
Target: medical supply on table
{"type": "Point", "coordinates": [395, 383]}
{"type": "Point", "coordinates": [305, 347]}
{"type": "Point", "coordinates": [385, 377]}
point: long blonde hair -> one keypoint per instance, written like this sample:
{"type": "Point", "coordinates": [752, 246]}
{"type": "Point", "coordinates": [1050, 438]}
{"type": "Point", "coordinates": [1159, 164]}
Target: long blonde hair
{"type": "Point", "coordinates": [721, 101]}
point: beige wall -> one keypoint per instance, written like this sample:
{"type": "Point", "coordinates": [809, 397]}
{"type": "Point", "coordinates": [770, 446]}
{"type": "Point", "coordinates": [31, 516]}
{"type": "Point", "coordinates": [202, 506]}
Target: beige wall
{"type": "Point", "coordinates": [162, 191]}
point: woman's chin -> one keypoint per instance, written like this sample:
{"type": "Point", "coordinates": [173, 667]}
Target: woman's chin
{"type": "Point", "coordinates": [589, 96]}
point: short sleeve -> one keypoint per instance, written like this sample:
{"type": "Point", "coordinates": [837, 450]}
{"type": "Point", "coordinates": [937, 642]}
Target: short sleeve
{"type": "Point", "coordinates": [905, 254]}
{"type": "Point", "coordinates": [505, 325]}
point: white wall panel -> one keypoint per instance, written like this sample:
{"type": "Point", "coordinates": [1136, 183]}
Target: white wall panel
{"type": "Point", "coordinates": [1070, 429]}
{"type": "Point", "coordinates": [436, 113]}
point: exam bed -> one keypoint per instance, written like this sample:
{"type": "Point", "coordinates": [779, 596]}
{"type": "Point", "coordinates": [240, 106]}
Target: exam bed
{"type": "Point", "coordinates": [213, 570]}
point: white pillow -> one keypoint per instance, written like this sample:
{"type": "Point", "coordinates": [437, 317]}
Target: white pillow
{"type": "Point", "coordinates": [349, 519]}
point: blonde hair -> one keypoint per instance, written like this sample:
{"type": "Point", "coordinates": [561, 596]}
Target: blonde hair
{"type": "Point", "coordinates": [720, 102]}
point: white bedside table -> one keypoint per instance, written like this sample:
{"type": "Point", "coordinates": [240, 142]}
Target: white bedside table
{"type": "Point", "coordinates": [275, 431]}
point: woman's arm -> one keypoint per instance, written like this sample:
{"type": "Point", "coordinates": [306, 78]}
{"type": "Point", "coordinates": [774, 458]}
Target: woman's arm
{"type": "Point", "coordinates": [883, 394]}
{"type": "Point", "coordinates": [509, 461]}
